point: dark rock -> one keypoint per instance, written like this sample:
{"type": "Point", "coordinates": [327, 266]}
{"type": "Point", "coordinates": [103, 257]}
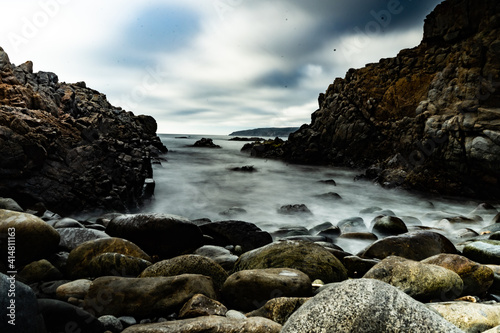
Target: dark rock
{"type": "Point", "coordinates": [329, 182]}
{"type": "Point", "coordinates": [357, 267]}
{"type": "Point", "coordinates": [331, 233]}
{"type": "Point", "coordinates": [477, 278]}
{"type": "Point", "coordinates": [233, 211]}
{"type": "Point", "coordinates": [483, 251]}
{"type": "Point", "coordinates": [365, 305]}
{"type": "Point", "coordinates": [47, 289]}
{"type": "Point", "coordinates": [297, 209]}
{"type": "Point", "coordinates": [60, 317]}
{"type": "Point", "coordinates": [496, 219]}
{"type": "Point", "coordinates": [158, 234]}
{"type": "Point", "coordinates": [72, 237]}
{"type": "Point", "coordinates": [353, 224]}
{"type": "Point", "coordinates": [320, 263]}
{"type": "Point", "coordinates": [320, 227]}
{"type": "Point", "coordinates": [34, 239]}
{"type": "Point", "coordinates": [205, 143]}
{"type": "Point", "coordinates": [331, 196]}
{"type": "Point", "coordinates": [250, 289]}
{"type": "Point", "coordinates": [388, 226]}
{"type": "Point", "coordinates": [370, 210]}
{"type": "Point", "coordinates": [19, 305]}
{"type": "Point", "coordinates": [188, 264]}
{"type": "Point", "coordinates": [37, 271]}
{"type": "Point", "coordinates": [10, 204]}
{"type": "Point", "coordinates": [144, 297]}
{"type": "Point", "coordinates": [413, 245]}
{"type": "Point", "coordinates": [201, 305]}
{"type": "Point", "coordinates": [245, 234]}
{"type": "Point", "coordinates": [210, 324]}
{"type": "Point", "coordinates": [245, 168]}
{"type": "Point", "coordinates": [80, 258]}
{"type": "Point", "coordinates": [116, 264]}
{"type": "Point", "coordinates": [279, 309]}
{"type": "Point", "coordinates": [111, 323]}
{"type": "Point", "coordinates": [359, 236]}
{"type": "Point", "coordinates": [421, 281]}
{"type": "Point", "coordinates": [290, 231]}
{"type": "Point", "coordinates": [220, 255]}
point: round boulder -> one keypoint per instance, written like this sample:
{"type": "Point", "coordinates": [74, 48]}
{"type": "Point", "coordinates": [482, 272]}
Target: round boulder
{"type": "Point", "coordinates": [312, 259]}
{"type": "Point", "coordinates": [164, 235]}
{"type": "Point", "coordinates": [72, 237]}
{"type": "Point", "coordinates": [384, 226]}
{"type": "Point", "coordinates": [188, 264]}
{"type": "Point", "coordinates": [483, 251]}
{"type": "Point", "coordinates": [365, 305]}
{"type": "Point", "coordinates": [116, 264]}
{"type": "Point", "coordinates": [41, 270]}
{"type": "Point", "coordinates": [251, 289]}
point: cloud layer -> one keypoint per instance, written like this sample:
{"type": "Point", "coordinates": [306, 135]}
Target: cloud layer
{"type": "Point", "coordinates": [215, 66]}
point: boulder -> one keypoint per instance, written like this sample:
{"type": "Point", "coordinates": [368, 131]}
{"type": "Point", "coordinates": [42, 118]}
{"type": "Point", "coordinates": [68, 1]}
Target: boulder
{"type": "Point", "coordinates": [164, 235]}
{"type": "Point", "coordinates": [357, 267]}
{"type": "Point", "coordinates": [365, 305]}
{"type": "Point", "coordinates": [63, 317]}
{"type": "Point", "coordinates": [205, 143]}
{"type": "Point", "coordinates": [144, 297]}
{"type": "Point", "coordinates": [34, 239]}
{"type": "Point", "coordinates": [219, 254]}
{"type": "Point", "coordinates": [320, 263]}
{"type": "Point", "coordinates": [79, 259]}
{"type": "Point", "coordinates": [477, 278]}
{"type": "Point", "coordinates": [245, 234]}
{"type": "Point", "coordinates": [19, 306]}
{"type": "Point", "coordinates": [76, 289]}
{"type": "Point", "coordinates": [250, 289]}
{"type": "Point", "coordinates": [37, 271]}
{"type": "Point", "coordinates": [209, 324]}
{"type": "Point", "coordinates": [200, 305]}
{"type": "Point", "coordinates": [188, 264]}
{"type": "Point", "coordinates": [469, 317]}
{"type": "Point", "coordinates": [416, 245]}
{"type": "Point", "coordinates": [10, 204]}
{"type": "Point", "coordinates": [111, 323]}
{"type": "Point", "coordinates": [279, 309]}
{"type": "Point", "coordinates": [72, 237]}
{"type": "Point", "coordinates": [423, 282]}
{"type": "Point", "coordinates": [384, 226]}
{"type": "Point", "coordinates": [483, 251]}
{"type": "Point", "coordinates": [295, 209]}
{"type": "Point", "coordinates": [353, 224]}
{"type": "Point", "coordinates": [116, 264]}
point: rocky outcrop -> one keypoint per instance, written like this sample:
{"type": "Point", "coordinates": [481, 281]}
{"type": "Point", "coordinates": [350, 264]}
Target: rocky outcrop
{"type": "Point", "coordinates": [66, 146]}
{"type": "Point", "coordinates": [428, 119]}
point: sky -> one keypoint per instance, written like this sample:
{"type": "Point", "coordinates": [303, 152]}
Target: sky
{"type": "Point", "coordinates": [209, 66]}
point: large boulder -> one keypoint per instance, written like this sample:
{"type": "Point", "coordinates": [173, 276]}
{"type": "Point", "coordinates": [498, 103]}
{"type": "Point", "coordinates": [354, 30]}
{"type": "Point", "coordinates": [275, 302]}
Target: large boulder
{"type": "Point", "coordinates": [320, 263]}
{"type": "Point", "coordinates": [144, 297]}
{"type": "Point", "coordinates": [365, 305]}
{"type": "Point", "coordinates": [469, 317]}
{"type": "Point", "coordinates": [80, 258]}
{"type": "Point", "coordinates": [421, 281]}
{"type": "Point", "coordinates": [188, 264]}
{"type": "Point", "coordinates": [250, 289]}
{"type": "Point", "coordinates": [245, 234]}
{"type": "Point", "coordinates": [477, 278]}
{"type": "Point", "coordinates": [209, 324]}
{"type": "Point", "coordinates": [483, 251]}
{"type": "Point", "coordinates": [33, 238]}
{"type": "Point", "coordinates": [416, 245]}
{"type": "Point", "coordinates": [163, 235]}
{"type": "Point", "coordinates": [384, 225]}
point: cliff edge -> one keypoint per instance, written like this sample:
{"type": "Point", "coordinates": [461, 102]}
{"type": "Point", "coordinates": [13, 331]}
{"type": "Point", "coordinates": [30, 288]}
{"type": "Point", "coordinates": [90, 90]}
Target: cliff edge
{"type": "Point", "coordinates": [428, 119]}
{"type": "Point", "coordinates": [64, 145]}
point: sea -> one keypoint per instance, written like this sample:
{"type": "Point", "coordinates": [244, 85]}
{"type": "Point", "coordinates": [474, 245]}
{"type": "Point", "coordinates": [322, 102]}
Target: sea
{"type": "Point", "coordinates": [198, 183]}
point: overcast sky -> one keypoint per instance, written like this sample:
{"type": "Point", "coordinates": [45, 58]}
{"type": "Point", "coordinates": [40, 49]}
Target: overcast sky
{"type": "Point", "coordinates": [209, 66]}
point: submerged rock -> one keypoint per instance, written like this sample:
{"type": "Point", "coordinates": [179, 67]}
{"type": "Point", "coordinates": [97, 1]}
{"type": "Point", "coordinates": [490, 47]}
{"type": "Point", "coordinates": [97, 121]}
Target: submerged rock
{"type": "Point", "coordinates": [205, 143]}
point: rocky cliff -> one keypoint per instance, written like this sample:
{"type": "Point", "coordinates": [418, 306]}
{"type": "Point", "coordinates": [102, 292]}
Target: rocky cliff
{"type": "Point", "coordinates": [427, 119]}
{"type": "Point", "coordinates": [66, 146]}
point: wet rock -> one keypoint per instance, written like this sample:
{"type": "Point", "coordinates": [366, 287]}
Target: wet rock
{"type": "Point", "coordinates": [233, 211]}
{"type": "Point", "coordinates": [279, 309]}
{"type": "Point", "coordinates": [483, 251]}
{"type": "Point", "coordinates": [365, 305]}
{"type": "Point", "coordinates": [245, 234]}
{"type": "Point", "coordinates": [188, 264]}
{"type": "Point", "coordinates": [116, 264]}
{"type": "Point", "coordinates": [469, 317]}
{"type": "Point", "coordinates": [357, 267]}
{"type": "Point", "coordinates": [477, 278]}
{"type": "Point", "coordinates": [47, 289]}
{"type": "Point", "coordinates": [353, 224]}
{"type": "Point", "coordinates": [411, 221]}
{"type": "Point", "coordinates": [496, 219]}
{"type": "Point", "coordinates": [220, 255]}
{"type": "Point", "coordinates": [41, 270]}
{"type": "Point", "coordinates": [200, 305]}
{"type": "Point", "coordinates": [250, 289]}
{"type": "Point", "coordinates": [76, 289]}
{"type": "Point", "coordinates": [320, 263]}
{"type": "Point", "coordinates": [111, 324]}
{"type": "Point", "coordinates": [144, 297]}
{"type": "Point", "coordinates": [296, 209]}
{"type": "Point", "coordinates": [331, 233]}
{"type": "Point", "coordinates": [359, 236]}
{"type": "Point", "coordinates": [10, 204]}
{"type": "Point", "coordinates": [384, 226]}
{"type": "Point", "coordinates": [370, 210]}
{"type": "Point", "coordinates": [421, 281]}
{"type": "Point", "coordinates": [164, 235]}
{"type": "Point", "coordinates": [72, 237]}
{"type": "Point", "coordinates": [210, 324]}
{"type": "Point", "coordinates": [329, 196]}
{"type": "Point", "coordinates": [65, 223]}
{"type": "Point", "coordinates": [413, 245]}
{"type": "Point", "coordinates": [290, 231]}
{"type": "Point", "coordinates": [484, 208]}
{"type": "Point", "coordinates": [34, 238]}
{"type": "Point", "coordinates": [320, 227]}
{"type": "Point", "coordinates": [245, 168]}
{"type": "Point", "coordinates": [79, 259]}
{"type": "Point", "coordinates": [22, 315]}
{"type": "Point", "coordinates": [205, 143]}
{"type": "Point", "coordinates": [329, 182]}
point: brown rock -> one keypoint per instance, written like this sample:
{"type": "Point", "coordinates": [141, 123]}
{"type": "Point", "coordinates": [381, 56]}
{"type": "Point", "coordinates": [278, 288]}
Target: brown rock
{"type": "Point", "coordinates": [279, 309]}
{"type": "Point", "coordinates": [200, 305]}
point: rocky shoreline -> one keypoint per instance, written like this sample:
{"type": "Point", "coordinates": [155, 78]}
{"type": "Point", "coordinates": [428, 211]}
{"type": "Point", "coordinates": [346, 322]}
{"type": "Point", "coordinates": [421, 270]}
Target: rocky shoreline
{"type": "Point", "coordinates": [164, 273]}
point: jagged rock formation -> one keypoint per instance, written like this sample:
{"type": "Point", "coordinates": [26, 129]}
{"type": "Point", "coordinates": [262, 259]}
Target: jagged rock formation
{"type": "Point", "coordinates": [428, 118]}
{"type": "Point", "coordinates": [66, 146]}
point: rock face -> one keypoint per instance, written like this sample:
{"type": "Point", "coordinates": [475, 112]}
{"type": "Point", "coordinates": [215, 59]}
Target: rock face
{"type": "Point", "coordinates": [427, 118]}
{"type": "Point", "coordinates": [65, 145]}
{"type": "Point", "coordinates": [365, 305]}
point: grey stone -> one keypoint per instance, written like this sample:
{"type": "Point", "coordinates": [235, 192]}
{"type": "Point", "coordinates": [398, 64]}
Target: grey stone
{"type": "Point", "coordinates": [469, 317]}
{"type": "Point", "coordinates": [111, 323]}
{"type": "Point", "coordinates": [72, 237]}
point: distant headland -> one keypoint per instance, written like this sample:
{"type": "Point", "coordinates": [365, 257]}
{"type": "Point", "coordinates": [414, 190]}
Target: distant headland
{"type": "Point", "coordinates": [269, 131]}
